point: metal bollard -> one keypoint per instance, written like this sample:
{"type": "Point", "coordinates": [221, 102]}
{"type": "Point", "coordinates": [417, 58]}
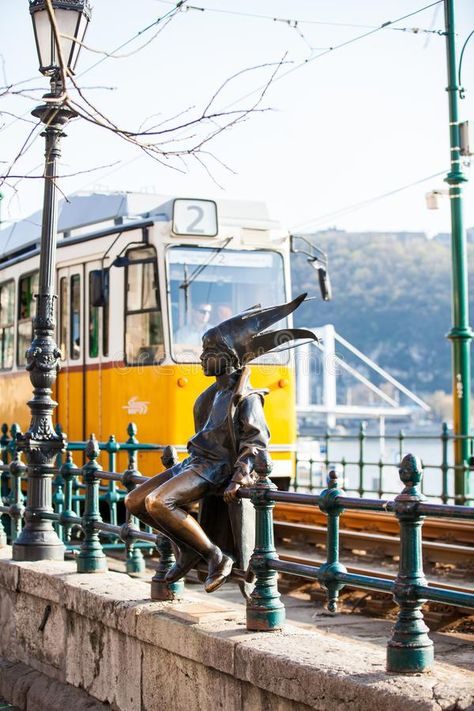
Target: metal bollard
{"type": "Point", "coordinates": [410, 650]}
{"type": "Point", "coordinates": [16, 498]}
{"type": "Point", "coordinates": [91, 558]}
{"type": "Point", "coordinates": [327, 572]}
{"type": "Point", "coordinates": [160, 589]}
{"type": "Point", "coordinates": [265, 610]}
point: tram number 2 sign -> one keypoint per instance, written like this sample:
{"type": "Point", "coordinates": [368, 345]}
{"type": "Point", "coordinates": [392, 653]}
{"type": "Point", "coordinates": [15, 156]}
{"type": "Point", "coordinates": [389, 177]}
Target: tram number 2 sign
{"type": "Point", "coordinates": [195, 217]}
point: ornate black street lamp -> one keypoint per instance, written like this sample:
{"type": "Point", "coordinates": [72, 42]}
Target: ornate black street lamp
{"type": "Point", "coordinates": [41, 444]}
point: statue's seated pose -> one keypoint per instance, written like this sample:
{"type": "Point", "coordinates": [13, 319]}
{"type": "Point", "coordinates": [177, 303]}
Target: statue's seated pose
{"type": "Point", "coordinates": [230, 430]}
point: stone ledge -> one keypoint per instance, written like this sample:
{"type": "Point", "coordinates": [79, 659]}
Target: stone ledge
{"type": "Point", "coordinates": [27, 689]}
{"type": "Point", "coordinates": [109, 620]}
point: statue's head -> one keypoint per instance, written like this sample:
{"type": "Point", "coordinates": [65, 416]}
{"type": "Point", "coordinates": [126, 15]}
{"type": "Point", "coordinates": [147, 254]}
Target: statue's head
{"type": "Point", "coordinates": [242, 338]}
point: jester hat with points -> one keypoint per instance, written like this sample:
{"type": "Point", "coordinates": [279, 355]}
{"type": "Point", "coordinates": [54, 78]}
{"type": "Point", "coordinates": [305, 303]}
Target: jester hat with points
{"type": "Point", "coordinates": [244, 335]}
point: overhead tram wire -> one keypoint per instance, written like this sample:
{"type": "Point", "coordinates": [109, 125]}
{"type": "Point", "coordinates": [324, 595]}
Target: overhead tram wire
{"type": "Point", "coordinates": [357, 38]}
{"type": "Point", "coordinates": [343, 211]}
{"type": "Point", "coordinates": [176, 8]}
{"type": "Point", "coordinates": [294, 22]}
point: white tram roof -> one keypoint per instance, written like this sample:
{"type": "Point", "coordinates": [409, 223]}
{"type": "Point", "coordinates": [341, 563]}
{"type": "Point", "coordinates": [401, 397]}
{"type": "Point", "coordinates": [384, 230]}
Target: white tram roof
{"type": "Point", "coordinates": [82, 210]}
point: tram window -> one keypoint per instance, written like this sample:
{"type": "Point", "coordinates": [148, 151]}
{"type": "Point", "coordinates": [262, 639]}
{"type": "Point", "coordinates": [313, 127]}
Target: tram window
{"type": "Point", "coordinates": [143, 320]}
{"type": "Point", "coordinates": [105, 316]}
{"type": "Point", "coordinates": [7, 318]}
{"type": "Point", "coordinates": [63, 311]}
{"type": "Point", "coordinates": [208, 287]}
{"type": "Point", "coordinates": [93, 324]}
{"type": "Point", "coordinates": [75, 324]}
{"type": "Point", "coordinates": [28, 287]}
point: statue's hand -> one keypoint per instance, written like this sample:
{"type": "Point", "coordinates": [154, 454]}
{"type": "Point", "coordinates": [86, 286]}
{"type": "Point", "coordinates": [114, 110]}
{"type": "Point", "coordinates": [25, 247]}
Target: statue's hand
{"type": "Point", "coordinates": [230, 494]}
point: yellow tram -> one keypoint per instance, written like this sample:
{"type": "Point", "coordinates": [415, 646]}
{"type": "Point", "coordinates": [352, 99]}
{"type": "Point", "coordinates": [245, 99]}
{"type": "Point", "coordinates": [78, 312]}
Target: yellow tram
{"type": "Point", "coordinates": [139, 279]}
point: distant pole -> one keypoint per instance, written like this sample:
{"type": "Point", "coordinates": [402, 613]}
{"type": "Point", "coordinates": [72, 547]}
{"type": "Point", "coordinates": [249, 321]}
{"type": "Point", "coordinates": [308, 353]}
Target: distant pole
{"type": "Point", "coordinates": [461, 333]}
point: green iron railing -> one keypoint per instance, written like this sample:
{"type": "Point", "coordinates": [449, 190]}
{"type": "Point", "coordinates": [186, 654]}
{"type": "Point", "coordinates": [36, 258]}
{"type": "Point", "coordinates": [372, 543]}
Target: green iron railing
{"type": "Point", "coordinates": [364, 463]}
{"type": "Point", "coordinates": [409, 650]}
{"type": "Point", "coordinates": [67, 487]}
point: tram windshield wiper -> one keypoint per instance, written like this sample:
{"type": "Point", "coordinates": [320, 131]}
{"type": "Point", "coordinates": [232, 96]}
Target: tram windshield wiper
{"type": "Point", "coordinates": [186, 283]}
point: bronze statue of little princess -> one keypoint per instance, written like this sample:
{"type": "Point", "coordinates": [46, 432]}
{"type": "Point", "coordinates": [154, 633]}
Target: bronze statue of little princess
{"type": "Point", "coordinates": [230, 431]}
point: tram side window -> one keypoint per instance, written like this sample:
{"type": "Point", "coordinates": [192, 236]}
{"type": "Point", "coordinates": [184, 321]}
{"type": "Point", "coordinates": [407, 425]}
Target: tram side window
{"type": "Point", "coordinates": [63, 311]}
{"type": "Point", "coordinates": [143, 319]}
{"type": "Point", "coordinates": [105, 316]}
{"type": "Point", "coordinates": [7, 318]}
{"type": "Point", "coordinates": [93, 324]}
{"type": "Point", "coordinates": [75, 323]}
{"type": "Point", "coordinates": [28, 287]}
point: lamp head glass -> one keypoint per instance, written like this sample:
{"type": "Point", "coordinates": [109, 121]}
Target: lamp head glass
{"type": "Point", "coordinates": [72, 18]}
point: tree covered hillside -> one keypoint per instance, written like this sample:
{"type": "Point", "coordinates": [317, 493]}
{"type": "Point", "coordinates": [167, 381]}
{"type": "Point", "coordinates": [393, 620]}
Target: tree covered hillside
{"type": "Point", "coordinates": [391, 299]}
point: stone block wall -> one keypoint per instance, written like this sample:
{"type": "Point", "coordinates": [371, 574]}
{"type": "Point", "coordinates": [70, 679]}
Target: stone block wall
{"type": "Point", "coordinates": [99, 641]}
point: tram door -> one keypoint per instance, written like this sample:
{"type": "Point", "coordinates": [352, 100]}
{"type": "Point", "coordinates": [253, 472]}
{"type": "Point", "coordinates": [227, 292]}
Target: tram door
{"type": "Point", "coordinates": [83, 340]}
{"type": "Point", "coordinates": [96, 351]}
{"type": "Point", "coordinates": [70, 340]}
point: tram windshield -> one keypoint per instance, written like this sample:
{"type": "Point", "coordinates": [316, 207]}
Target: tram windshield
{"type": "Point", "coordinates": [208, 286]}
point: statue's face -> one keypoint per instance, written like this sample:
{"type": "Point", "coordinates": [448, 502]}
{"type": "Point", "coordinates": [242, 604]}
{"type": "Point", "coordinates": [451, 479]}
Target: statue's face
{"type": "Point", "coordinates": [216, 362]}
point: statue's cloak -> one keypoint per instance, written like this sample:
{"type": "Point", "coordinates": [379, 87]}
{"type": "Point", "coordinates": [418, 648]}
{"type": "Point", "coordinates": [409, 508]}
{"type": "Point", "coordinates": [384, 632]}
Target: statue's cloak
{"type": "Point", "coordinates": [232, 528]}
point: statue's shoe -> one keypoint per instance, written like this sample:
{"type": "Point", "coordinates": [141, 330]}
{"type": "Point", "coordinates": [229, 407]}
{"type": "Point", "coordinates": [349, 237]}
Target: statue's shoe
{"type": "Point", "coordinates": [181, 567]}
{"type": "Point", "coordinates": [218, 574]}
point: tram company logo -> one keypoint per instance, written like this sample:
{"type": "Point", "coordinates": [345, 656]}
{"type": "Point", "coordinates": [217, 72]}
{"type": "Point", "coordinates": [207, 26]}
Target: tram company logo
{"type": "Point", "coordinates": [136, 407]}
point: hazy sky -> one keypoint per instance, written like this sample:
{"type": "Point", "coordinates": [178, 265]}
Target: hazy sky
{"type": "Point", "coordinates": [361, 121]}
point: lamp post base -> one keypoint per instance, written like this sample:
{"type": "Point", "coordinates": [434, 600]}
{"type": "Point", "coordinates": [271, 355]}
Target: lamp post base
{"type": "Point", "coordinates": [39, 549]}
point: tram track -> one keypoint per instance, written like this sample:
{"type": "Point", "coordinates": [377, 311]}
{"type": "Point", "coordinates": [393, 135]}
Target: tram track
{"type": "Point", "coordinates": [444, 540]}
{"type": "Point", "coordinates": [378, 604]}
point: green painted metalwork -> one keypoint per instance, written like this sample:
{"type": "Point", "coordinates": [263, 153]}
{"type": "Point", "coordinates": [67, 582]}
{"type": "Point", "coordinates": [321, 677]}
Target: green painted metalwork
{"type": "Point", "coordinates": [362, 435]}
{"type": "Point", "coordinates": [16, 498]}
{"type": "Point", "coordinates": [134, 561]}
{"type": "Point", "coordinates": [265, 611]}
{"type": "Point", "coordinates": [461, 333]}
{"type": "Point", "coordinates": [329, 503]}
{"type": "Point", "coordinates": [410, 650]}
{"type": "Point", "coordinates": [68, 475]}
{"type": "Point", "coordinates": [4, 478]}
{"type": "Point", "coordinates": [357, 468]}
{"type": "Point", "coordinates": [112, 497]}
{"type": "Point", "coordinates": [91, 558]}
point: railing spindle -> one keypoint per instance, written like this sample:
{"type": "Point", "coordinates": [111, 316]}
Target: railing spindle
{"type": "Point", "coordinates": [160, 589]}
{"type": "Point", "coordinates": [16, 498]}
{"type": "Point", "coordinates": [134, 561]}
{"type": "Point", "coordinates": [68, 474]}
{"type": "Point", "coordinates": [362, 428]}
{"type": "Point", "coordinates": [328, 571]}
{"type": "Point", "coordinates": [265, 610]}
{"type": "Point", "coordinates": [410, 650]}
{"type": "Point", "coordinates": [91, 558]}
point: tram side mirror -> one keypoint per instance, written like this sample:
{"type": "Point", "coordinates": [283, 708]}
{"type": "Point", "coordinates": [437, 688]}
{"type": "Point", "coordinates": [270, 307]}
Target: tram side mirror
{"type": "Point", "coordinates": [300, 244]}
{"type": "Point", "coordinates": [99, 281]}
{"type": "Point", "coordinates": [323, 278]}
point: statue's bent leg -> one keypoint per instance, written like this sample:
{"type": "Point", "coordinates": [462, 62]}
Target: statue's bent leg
{"type": "Point", "coordinates": [135, 499]}
{"type": "Point", "coordinates": [135, 504]}
{"type": "Point", "coordinates": [164, 504]}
